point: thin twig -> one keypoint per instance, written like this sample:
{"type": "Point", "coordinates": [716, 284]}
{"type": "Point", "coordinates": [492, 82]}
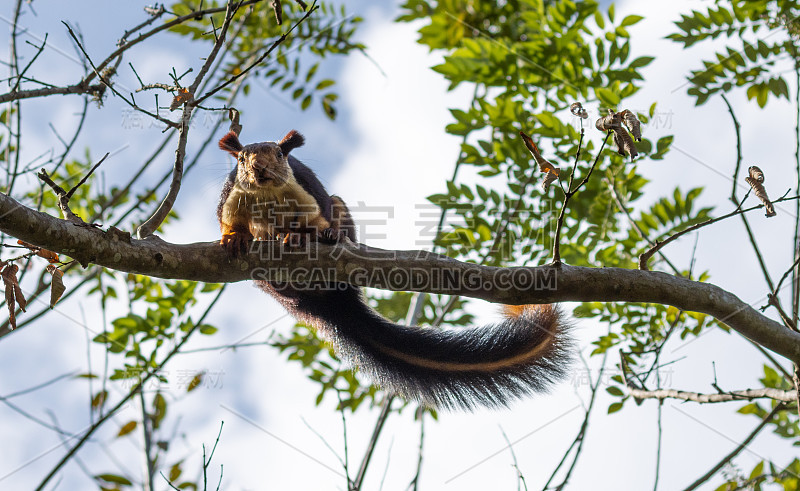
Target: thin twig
{"type": "Point", "coordinates": [90, 431]}
{"type": "Point", "coordinates": [567, 196]}
{"type": "Point", "coordinates": [645, 256]}
{"type": "Point", "coordinates": [618, 200]}
{"type": "Point", "coordinates": [578, 440]}
{"type": "Point", "coordinates": [84, 87]}
{"type": "Point", "coordinates": [414, 484]}
{"type": "Point", "coordinates": [155, 13]}
{"type": "Point", "coordinates": [220, 40]}
{"type": "Point", "coordinates": [261, 58]}
{"type": "Point", "coordinates": [84, 178]}
{"type": "Point", "coordinates": [63, 201]}
{"type": "Point", "coordinates": [376, 431]}
{"type": "Point", "coordinates": [39, 50]}
{"type": "Point", "coordinates": [161, 213]}
{"type": "Point", "coordinates": [39, 386]}
{"type": "Point", "coordinates": [737, 128]}
{"type": "Point", "coordinates": [150, 469]}
{"type": "Point", "coordinates": [796, 272]}
{"type": "Point", "coordinates": [110, 86]}
{"type": "Point", "coordinates": [708, 475]}
{"type": "Point", "coordinates": [206, 463]}
{"type": "Point", "coordinates": [520, 478]}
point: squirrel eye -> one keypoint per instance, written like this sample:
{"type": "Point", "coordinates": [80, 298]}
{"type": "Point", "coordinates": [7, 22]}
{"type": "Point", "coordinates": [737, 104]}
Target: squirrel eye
{"type": "Point", "coordinates": [280, 153]}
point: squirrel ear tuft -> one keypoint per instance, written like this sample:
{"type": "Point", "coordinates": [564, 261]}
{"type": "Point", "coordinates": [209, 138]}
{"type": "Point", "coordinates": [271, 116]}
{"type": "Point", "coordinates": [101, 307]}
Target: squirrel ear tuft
{"type": "Point", "coordinates": [230, 143]}
{"type": "Point", "coordinates": [292, 140]}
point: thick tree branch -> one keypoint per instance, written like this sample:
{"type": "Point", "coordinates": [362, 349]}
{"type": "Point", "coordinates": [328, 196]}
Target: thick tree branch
{"type": "Point", "coordinates": [393, 270]}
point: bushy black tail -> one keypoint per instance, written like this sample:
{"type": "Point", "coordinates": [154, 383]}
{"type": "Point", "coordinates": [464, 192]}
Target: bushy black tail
{"type": "Point", "coordinates": [454, 368]}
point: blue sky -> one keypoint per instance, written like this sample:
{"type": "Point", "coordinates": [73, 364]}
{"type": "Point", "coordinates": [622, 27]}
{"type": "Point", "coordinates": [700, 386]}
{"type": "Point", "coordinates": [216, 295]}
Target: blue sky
{"type": "Point", "coordinates": [387, 148]}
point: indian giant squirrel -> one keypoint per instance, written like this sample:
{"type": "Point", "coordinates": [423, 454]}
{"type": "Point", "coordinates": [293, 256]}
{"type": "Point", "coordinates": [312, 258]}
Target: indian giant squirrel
{"type": "Point", "coordinates": [272, 195]}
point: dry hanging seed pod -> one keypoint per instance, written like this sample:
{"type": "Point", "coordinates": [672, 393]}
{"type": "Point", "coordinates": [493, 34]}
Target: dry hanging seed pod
{"type": "Point", "coordinates": [57, 287]}
{"type": "Point", "coordinates": [632, 123]}
{"type": "Point", "coordinates": [613, 122]}
{"type": "Point", "coordinates": [577, 110]}
{"type": "Point", "coordinates": [755, 181]}
{"type": "Point", "coordinates": [609, 123]}
{"type": "Point", "coordinates": [625, 143]}
{"type": "Point", "coordinates": [13, 293]}
{"type": "Point", "coordinates": [183, 96]}
{"type": "Point", "coordinates": [550, 171]}
{"type": "Point", "coordinates": [756, 173]}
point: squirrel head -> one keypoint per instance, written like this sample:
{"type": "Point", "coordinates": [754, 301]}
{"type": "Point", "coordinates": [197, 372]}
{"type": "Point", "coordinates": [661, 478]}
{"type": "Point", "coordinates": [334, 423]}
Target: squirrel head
{"type": "Point", "coordinates": [262, 164]}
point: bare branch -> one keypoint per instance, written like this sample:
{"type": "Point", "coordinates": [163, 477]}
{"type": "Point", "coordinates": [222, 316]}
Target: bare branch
{"type": "Point", "coordinates": [735, 395]}
{"type": "Point", "coordinates": [84, 86]}
{"type": "Point", "coordinates": [645, 256]}
{"type": "Point", "coordinates": [220, 40]}
{"type": "Point", "coordinates": [133, 392]}
{"type": "Point", "coordinates": [108, 83]}
{"type": "Point", "coordinates": [708, 475]}
{"type": "Point", "coordinates": [567, 196]}
{"type": "Point", "coordinates": [155, 221]}
{"type": "Point", "coordinates": [258, 61]}
{"type": "Point", "coordinates": [618, 200]}
{"type": "Point", "coordinates": [376, 431]}
{"type": "Point", "coordinates": [79, 88]}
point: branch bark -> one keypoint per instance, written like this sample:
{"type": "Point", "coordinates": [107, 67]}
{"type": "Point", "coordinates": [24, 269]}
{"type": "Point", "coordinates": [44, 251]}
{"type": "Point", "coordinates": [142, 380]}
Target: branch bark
{"type": "Point", "coordinates": [392, 270]}
{"type": "Point", "coordinates": [735, 395]}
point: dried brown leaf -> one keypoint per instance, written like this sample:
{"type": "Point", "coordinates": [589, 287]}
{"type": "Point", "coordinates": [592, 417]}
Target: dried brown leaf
{"type": "Point", "coordinates": [754, 180]}
{"type": "Point", "coordinates": [551, 172]}
{"type": "Point", "coordinates": [20, 297]}
{"type": "Point", "coordinates": [99, 399]}
{"type": "Point", "coordinates": [12, 307]}
{"type": "Point", "coordinates": [548, 179]}
{"type": "Point", "coordinates": [609, 122]}
{"type": "Point", "coordinates": [625, 143]}
{"type": "Point", "coordinates": [183, 96]}
{"type": "Point", "coordinates": [44, 253]}
{"type": "Point", "coordinates": [9, 275]}
{"type": "Point", "coordinates": [577, 110]}
{"type": "Point", "coordinates": [756, 173]}
{"type": "Point", "coordinates": [57, 287]}
{"type": "Point", "coordinates": [632, 123]}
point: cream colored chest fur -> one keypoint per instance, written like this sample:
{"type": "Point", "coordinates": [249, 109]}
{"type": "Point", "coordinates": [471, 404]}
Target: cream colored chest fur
{"type": "Point", "coordinates": [272, 210]}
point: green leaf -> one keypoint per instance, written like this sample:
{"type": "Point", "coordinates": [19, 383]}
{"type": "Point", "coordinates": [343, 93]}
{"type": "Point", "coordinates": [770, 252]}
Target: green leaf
{"type": "Point", "coordinates": [207, 329]}
{"type": "Point", "coordinates": [607, 97]}
{"type": "Point", "coordinates": [114, 479]}
{"type": "Point", "coordinates": [324, 84]}
{"type": "Point", "coordinates": [630, 20]}
{"type": "Point", "coordinates": [127, 428]}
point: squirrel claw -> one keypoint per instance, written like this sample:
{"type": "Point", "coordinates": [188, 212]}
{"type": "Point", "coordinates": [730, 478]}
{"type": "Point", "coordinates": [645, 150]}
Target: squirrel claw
{"type": "Point", "coordinates": [331, 235]}
{"type": "Point", "coordinates": [235, 243]}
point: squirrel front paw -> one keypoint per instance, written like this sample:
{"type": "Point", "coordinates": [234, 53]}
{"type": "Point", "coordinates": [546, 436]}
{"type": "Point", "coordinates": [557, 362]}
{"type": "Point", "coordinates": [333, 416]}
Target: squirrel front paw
{"type": "Point", "coordinates": [235, 243]}
{"type": "Point", "coordinates": [292, 240]}
{"type": "Point", "coordinates": [332, 235]}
